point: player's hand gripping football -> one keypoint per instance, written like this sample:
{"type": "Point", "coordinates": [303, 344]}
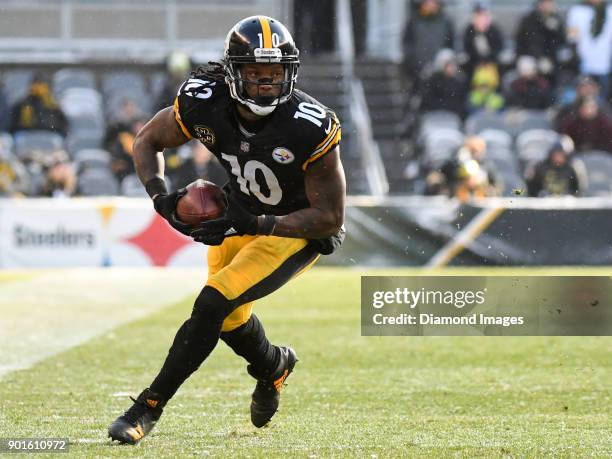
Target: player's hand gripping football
{"type": "Point", "coordinates": [237, 221]}
{"type": "Point", "coordinates": [165, 205]}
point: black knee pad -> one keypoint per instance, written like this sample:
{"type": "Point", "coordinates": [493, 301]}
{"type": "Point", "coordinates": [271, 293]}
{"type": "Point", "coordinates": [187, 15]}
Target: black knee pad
{"type": "Point", "coordinates": [211, 305]}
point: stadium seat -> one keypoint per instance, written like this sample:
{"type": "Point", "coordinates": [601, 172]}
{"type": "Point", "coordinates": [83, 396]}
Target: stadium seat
{"type": "Point", "coordinates": [533, 144]}
{"type": "Point", "coordinates": [88, 122]}
{"type": "Point", "coordinates": [504, 165]}
{"type": "Point", "coordinates": [27, 142]}
{"type": "Point", "coordinates": [502, 153]}
{"type": "Point", "coordinates": [114, 103]}
{"type": "Point", "coordinates": [16, 84]}
{"type": "Point", "coordinates": [97, 182]}
{"type": "Point", "coordinates": [439, 119]}
{"type": "Point", "coordinates": [512, 184]}
{"type": "Point", "coordinates": [81, 100]}
{"type": "Point", "coordinates": [484, 120]}
{"type": "Point", "coordinates": [131, 186]}
{"type": "Point", "coordinates": [534, 119]}
{"type": "Point", "coordinates": [496, 138]}
{"type": "Point", "coordinates": [157, 81]}
{"type": "Point", "coordinates": [598, 168]}
{"type": "Point", "coordinates": [440, 145]}
{"type": "Point", "coordinates": [92, 158]}
{"type": "Point", "coordinates": [121, 81]}
{"type": "Point", "coordinates": [6, 142]}
{"type": "Point", "coordinates": [525, 120]}
{"type": "Point", "coordinates": [70, 78]}
{"type": "Point", "coordinates": [120, 85]}
{"type": "Point", "coordinates": [82, 140]}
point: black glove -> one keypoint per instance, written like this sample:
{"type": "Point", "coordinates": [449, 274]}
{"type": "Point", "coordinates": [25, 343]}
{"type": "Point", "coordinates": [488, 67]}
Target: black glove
{"type": "Point", "coordinates": [165, 205]}
{"type": "Point", "coordinates": [237, 221]}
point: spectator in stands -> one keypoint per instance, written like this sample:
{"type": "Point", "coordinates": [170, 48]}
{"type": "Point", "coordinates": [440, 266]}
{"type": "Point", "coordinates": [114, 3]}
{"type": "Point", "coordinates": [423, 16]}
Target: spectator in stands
{"type": "Point", "coordinates": [484, 95]}
{"type": "Point", "coordinates": [38, 110]}
{"type": "Point", "coordinates": [178, 67]}
{"type": "Point", "coordinates": [60, 177]}
{"type": "Point", "coordinates": [477, 149]}
{"type": "Point", "coordinates": [586, 87]}
{"type": "Point", "coordinates": [482, 39]}
{"type": "Point", "coordinates": [119, 142]}
{"type": "Point", "coordinates": [428, 31]}
{"type": "Point", "coordinates": [530, 90]}
{"type": "Point", "coordinates": [120, 137]}
{"type": "Point", "coordinates": [127, 114]}
{"type": "Point", "coordinates": [200, 164]}
{"type": "Point", "coordinates": [541, 34]}
{"type": "Point", "coordinates": [590, 28]}
{"type": "Point", "coordinates": [445, 89]}
{"type": "Point", "coordinates": [471, 181]}
{"type": "Point", "coordinates": [555, 176]}
{"type": "Point", "coordinates": [589, 128]}
{"type": "Point", "coordinates": [14, 178]}
{"type": "Point", "coordinates": [466, 175]}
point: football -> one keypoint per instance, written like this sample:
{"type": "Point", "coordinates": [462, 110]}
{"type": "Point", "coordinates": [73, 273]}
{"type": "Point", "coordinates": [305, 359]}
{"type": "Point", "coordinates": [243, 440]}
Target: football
{"type": "Point", "coordinates": [204, 201]}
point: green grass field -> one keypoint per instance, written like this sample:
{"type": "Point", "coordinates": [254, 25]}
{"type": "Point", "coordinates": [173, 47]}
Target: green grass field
{"type": "Point", "coordinates": [350, 396]}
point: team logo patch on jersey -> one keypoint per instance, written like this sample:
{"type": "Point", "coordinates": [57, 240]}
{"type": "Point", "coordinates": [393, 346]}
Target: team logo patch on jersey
{"type": "Point", "coordinates": [245, 147]}
{"type": "Point", "coordinates": [205, 134]}
{"type": "Point", "coordinates": [282, 155]}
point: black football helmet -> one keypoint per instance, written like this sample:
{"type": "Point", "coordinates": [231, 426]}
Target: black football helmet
{"type": "Point", "coordinates": [260, 39]}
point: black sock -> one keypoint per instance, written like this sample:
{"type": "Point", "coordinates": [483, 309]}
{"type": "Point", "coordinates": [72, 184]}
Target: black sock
{"type": "Point", "coordinates": [249, 341]}
{"type": "Point", "coordinates": [194, 341]}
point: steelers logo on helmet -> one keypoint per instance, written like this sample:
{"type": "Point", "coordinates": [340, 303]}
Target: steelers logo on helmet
{"type": "Point", "coordinates": [260, 40]}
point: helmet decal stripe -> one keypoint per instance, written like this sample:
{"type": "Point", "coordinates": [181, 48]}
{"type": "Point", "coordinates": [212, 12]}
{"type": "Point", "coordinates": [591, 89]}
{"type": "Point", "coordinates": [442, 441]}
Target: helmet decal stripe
{"type": "Point", "coordinates": [267, 33]}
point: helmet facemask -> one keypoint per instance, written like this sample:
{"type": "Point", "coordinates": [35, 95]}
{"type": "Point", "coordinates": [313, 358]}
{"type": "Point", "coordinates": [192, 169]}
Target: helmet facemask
{"type": "Point", "coordinates": [261, 105]}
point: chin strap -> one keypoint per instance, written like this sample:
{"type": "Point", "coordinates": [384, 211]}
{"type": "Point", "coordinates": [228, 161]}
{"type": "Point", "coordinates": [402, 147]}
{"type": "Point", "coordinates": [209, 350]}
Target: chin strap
{"type": "Point", "coordinates": [261, 110]}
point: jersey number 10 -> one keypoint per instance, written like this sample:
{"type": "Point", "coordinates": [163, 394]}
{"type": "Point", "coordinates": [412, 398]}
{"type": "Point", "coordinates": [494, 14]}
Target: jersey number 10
{"type": "Point", "coordinates": [248, 183]}
{"type": "Point", "coordinates": [310, 112]}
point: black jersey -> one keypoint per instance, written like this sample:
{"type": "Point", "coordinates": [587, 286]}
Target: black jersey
{"type": "Point", "coordinates": [265, 169]}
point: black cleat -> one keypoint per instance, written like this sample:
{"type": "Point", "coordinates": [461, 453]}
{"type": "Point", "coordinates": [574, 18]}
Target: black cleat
{"type": "Point", "coordinates": [266, 396]}
{"type": "Point", "coordinates": [139, 420]}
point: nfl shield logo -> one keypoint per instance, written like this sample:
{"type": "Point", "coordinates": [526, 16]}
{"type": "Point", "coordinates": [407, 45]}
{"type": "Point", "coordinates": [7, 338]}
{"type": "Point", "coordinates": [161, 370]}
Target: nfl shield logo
{"type": "Point", "coordinates": [245, 146]}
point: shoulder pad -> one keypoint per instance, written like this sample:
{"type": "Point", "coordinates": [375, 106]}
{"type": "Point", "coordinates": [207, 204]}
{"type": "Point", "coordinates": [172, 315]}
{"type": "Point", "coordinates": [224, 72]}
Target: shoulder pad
{"type": "Point", "coordinates": [193, 93]}
{"type": "Point", "coordinates": [318, 124]}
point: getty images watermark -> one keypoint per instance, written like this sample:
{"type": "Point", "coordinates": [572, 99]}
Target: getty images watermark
{"type": "Point", "coordinates": [457, 299]}
{"type": "Point", "coordinates": [470, 305]}
{"type": "Point", "coordinates": [34, 445]}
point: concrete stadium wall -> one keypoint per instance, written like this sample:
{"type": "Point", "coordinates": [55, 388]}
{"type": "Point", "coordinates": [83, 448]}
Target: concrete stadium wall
{"type": "Point", "coordinates": [127, 29]}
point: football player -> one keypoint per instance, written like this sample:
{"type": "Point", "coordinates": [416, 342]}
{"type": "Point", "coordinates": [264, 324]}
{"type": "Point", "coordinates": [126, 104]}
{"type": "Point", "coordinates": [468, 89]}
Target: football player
{"type": "Point", "coordinates": [286, 193]}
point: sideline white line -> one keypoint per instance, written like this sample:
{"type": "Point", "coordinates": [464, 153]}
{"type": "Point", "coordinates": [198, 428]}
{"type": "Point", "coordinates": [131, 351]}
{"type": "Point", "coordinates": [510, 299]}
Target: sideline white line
{"type": "Point", "coordinates": [59, 309]}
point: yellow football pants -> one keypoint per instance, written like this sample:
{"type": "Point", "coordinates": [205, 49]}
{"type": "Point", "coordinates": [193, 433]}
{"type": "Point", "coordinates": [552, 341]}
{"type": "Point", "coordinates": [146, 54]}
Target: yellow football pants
{"type": "Point", "coordinates": [246, 268]}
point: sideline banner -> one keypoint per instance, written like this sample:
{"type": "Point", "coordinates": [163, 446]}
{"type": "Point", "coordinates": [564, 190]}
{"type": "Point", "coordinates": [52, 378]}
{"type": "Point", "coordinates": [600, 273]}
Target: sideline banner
{"type": "Point", "coordinates": [90, 232]}
{"type": "Point", "coordinates": [398, 231]}
{"type": "Point", "coordinates": [436, 232]}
